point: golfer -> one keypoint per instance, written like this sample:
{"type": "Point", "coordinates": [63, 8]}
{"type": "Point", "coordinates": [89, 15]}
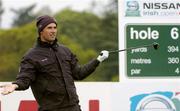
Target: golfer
{"type": "Point", "coordinates": [50, 69]}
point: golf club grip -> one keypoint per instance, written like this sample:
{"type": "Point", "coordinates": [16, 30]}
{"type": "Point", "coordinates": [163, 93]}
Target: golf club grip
{"type": "Point", "coordinates": [113, 51]}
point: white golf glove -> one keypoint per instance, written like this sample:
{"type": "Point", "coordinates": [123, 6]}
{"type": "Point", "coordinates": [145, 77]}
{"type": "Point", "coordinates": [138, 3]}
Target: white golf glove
{"type": "Point", "coordinates": [103, 55]}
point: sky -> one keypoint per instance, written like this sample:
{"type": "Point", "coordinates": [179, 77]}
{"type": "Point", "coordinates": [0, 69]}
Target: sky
{"type": "Point", "coordinates": [54, 5]}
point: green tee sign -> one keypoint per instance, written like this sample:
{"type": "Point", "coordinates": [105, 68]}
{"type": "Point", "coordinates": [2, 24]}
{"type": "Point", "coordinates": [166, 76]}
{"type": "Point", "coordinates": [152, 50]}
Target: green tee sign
{"type": "Point", "coordinates": [146, 61]}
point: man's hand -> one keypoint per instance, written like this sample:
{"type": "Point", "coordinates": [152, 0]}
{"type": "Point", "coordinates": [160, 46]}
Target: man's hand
{"type": "Point", "coordinates": [103, 55]}
{"type": "Point", "coordinates": [8, 88]}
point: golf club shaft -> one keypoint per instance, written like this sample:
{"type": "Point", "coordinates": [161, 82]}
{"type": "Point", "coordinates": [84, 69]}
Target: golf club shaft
{"type": "Point", "coordinates": [114, 51]}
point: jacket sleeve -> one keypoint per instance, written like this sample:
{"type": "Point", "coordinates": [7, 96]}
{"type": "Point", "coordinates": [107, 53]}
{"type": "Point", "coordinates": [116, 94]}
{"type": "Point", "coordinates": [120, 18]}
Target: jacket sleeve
{"type": "Point", "coordinates": [26, 74]}
{"type": "Point", "coordinates": [81, 72]}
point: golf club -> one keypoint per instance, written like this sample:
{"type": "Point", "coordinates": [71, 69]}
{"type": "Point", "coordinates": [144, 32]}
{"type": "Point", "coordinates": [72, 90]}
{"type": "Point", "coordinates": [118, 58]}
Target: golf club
{"type": "Point", "coordinates": [154, 45]}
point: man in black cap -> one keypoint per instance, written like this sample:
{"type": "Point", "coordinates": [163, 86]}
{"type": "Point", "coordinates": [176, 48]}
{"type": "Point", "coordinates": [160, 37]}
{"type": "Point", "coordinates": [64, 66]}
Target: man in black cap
{"type": "Point", "coordinates": [50, 69]}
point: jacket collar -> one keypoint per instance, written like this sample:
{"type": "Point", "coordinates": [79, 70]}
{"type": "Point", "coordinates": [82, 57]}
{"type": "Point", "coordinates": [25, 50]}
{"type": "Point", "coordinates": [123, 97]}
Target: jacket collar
{"type": "Point", "coordinates": [40, 43]}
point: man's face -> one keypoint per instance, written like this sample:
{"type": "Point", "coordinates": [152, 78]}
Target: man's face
{"type": "Point", "coordinates": [48, 34]}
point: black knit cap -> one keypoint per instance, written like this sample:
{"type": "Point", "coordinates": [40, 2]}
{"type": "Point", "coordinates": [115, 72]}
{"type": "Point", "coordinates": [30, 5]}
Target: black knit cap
{"type": "Point", "coordinates": [43, 21]}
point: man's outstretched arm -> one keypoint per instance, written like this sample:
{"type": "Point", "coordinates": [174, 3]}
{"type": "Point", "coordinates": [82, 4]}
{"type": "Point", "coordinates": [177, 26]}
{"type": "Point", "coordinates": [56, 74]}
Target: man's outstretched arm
{"type": "Point", "coordinates": [81, 72]}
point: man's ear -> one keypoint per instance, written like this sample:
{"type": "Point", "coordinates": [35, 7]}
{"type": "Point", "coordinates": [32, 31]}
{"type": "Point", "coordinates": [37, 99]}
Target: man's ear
{"type": "Point", "coordinates": [40, 33]}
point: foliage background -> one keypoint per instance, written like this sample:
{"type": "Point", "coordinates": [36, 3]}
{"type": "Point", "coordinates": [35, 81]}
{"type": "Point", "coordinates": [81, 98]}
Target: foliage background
{"type": "Point", "coordinates": [85, 33]}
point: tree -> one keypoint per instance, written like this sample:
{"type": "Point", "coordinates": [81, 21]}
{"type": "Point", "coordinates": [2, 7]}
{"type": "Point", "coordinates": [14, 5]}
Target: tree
{"type": "Point", "coordinates": [109, 38]}
{"type": "Point", "coordinates": [24, 15]}
{"type": "Point", "coordinates": [45, 10]}
{"type": "Point", "coordinates": [84, 32]}
{"type": "Point", "coordinates": [19, 40]}
{"type": "Point", "coordinates": [1, 12]}
{"type": "Point", "coordinates": [93, 32]}
{"type": "Point", "coordinates": [113, 6]}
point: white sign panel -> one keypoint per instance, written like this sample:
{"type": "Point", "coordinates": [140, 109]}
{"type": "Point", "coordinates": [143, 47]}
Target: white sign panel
{"type": "Point", "coordinates": [103, 96]}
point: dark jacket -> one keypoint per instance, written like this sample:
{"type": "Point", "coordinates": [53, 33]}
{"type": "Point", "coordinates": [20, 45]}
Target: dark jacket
{"type": "Point", "coordinates": [50, 70]}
